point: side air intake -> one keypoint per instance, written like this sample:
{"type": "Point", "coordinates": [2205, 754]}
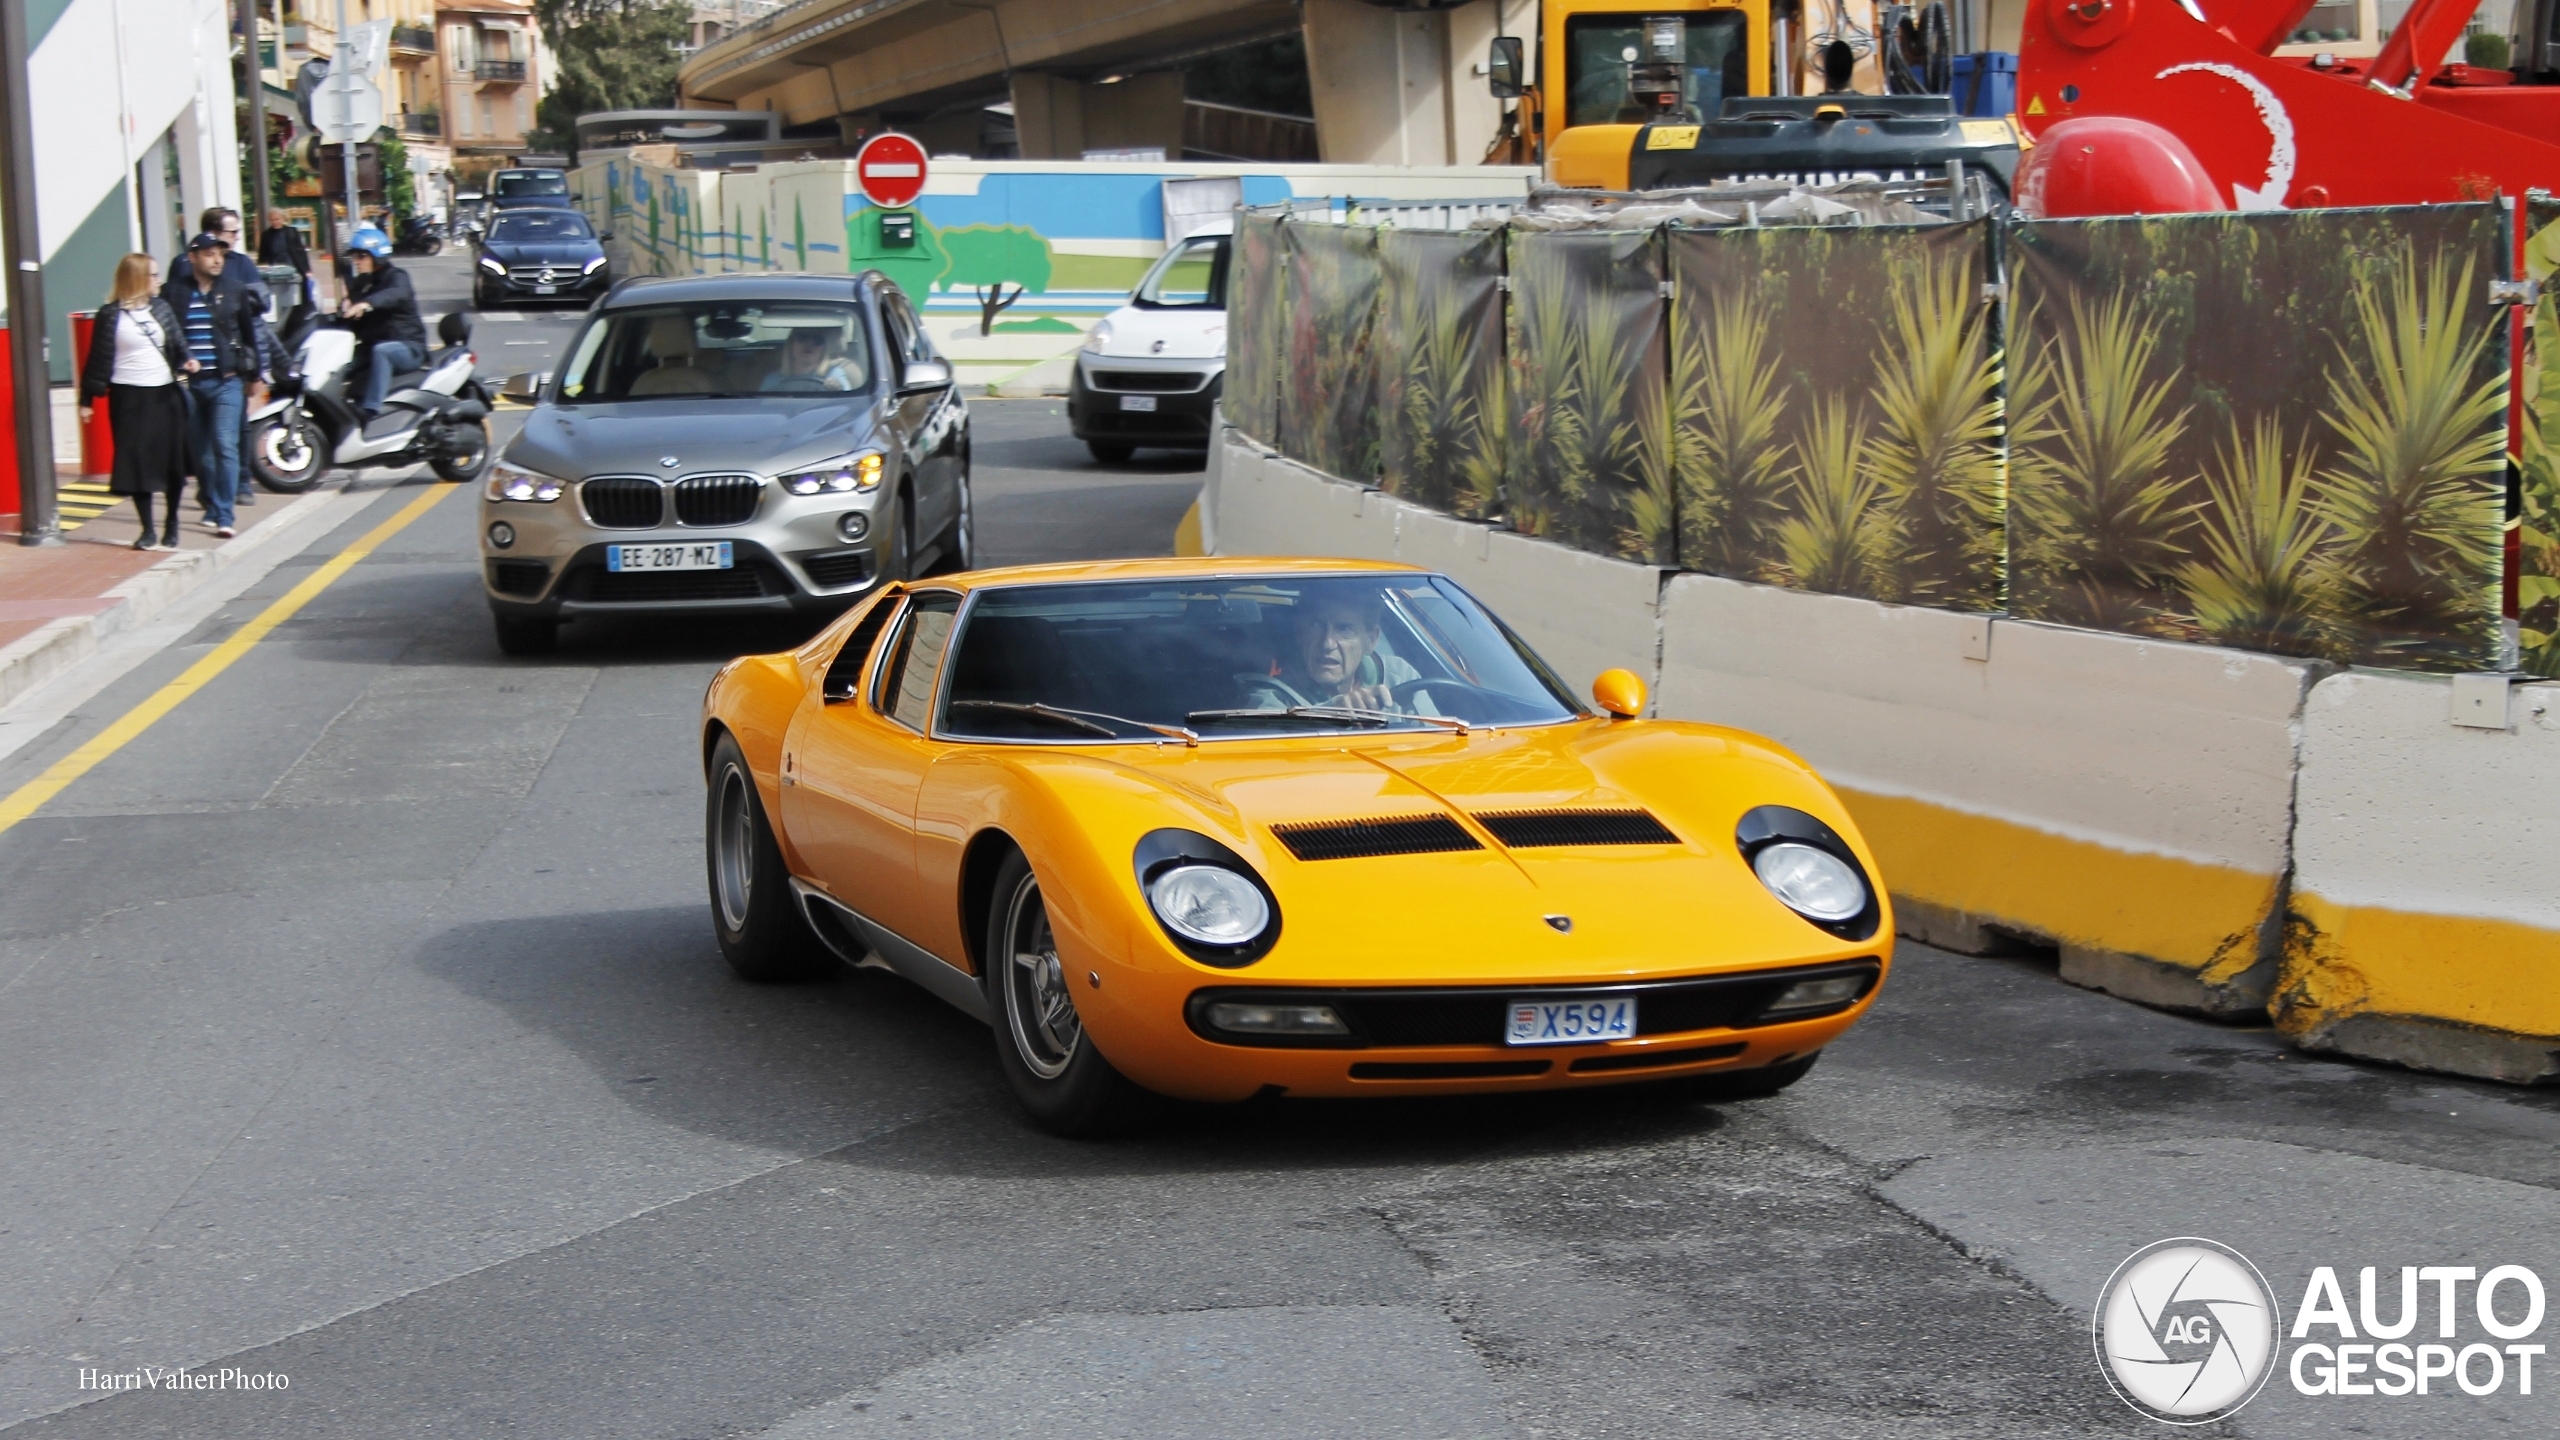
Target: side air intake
{"type": "Point", "coordinates": [1353, 839]}
{"type": "Point", "coordinates": [1531, 829]}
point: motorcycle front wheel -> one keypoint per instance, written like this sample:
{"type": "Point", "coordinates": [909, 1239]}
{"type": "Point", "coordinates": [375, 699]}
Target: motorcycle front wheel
{"type": "Point", "coordinates": [287, 453]}
{"type": "Point", "coordinates": [464, 455]}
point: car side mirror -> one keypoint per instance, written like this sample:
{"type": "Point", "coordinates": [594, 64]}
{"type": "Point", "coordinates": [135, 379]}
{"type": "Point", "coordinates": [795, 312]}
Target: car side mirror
{"type": "Point", "coordinates": [924, 375]}
{"type": "Point", "coordinates": [1619, 692]}
{"type": "Point", "coordinates": [525, 387]}
{"type": "Point", "coordinates": [604, 238]}
{"type": "Point", "coordinates": [1505, 69]}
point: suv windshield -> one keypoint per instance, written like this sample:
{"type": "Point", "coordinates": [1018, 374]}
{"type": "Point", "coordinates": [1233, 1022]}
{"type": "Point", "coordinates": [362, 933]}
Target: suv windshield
{"type": "Point", "coordinates": [533, 225]}
{"type": "Point", "coordinates": [522, 184]}
{"type": "Point", "coordinates": [1239, 656]}
{"type": "Point", "coordinates": [722, 349]}
{"type": "Point", "coordinates": [1192, 276]}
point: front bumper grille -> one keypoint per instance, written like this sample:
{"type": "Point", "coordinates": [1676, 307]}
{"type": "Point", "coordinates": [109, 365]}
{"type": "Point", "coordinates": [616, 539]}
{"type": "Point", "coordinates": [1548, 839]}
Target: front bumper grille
{"type": "Point", "coordinates": [531, 275]}
{"type": "Point", "coordinates": [750, 580]}
{"type": "Point", "coordinates": [717, 499]}
{"type": "Point", "coordinates": [1158, 382]}
{"type": "Point", "coordinates": [1476, 1017]}
{"type": "Point", "coordinates": [521, 578]}
{"type": "Point", "coordinates": [837, 569]}
{"type": "Point", "coordinates": [618, 502]}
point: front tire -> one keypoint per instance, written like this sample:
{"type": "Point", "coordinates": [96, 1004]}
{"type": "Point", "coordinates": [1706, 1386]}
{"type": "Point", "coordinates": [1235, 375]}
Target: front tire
{"type": "Point", "coordinates": [1041, 1045]}
{"type": "Point", "coordinates": [467, 456]}
{"type": "Point", "coordinates": [287, 453]}
{"type": "Point", "coordinates": [763, 935]}
{"type": "Point", "coordinates": [959, 543]}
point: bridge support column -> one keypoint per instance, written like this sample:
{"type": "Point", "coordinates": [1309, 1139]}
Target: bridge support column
{"type": "Point", "coordinates": [1399, 87]}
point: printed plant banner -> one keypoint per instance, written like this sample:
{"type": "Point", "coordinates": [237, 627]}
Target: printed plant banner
{"type": "Point", "coordinates": [2538, 525]}
{"type": "Point", "coordinates": [2281, 431]}
{"type": "Point", "coordinates": [1836, 410]}
{"type": "Point", "coordinates": [1439, 346]}
{"type": "Point", "coordinates": [1256, 321]}
{"type": "Point", "coordinates": [1328, 393]}
{"type": "Point", "coordinates": [1588, 461]}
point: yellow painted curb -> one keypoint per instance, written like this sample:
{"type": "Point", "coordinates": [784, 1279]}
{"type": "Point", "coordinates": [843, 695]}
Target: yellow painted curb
{"type": "Point", "coordinates": [1186, 532]}
{"type": "Point", "coordinates": [2357, 959]}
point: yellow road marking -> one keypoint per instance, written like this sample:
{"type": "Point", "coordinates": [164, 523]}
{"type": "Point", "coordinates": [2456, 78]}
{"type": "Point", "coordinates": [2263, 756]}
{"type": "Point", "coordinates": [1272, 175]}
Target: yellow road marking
{"type": "Point", "coordinates": [27, 798]}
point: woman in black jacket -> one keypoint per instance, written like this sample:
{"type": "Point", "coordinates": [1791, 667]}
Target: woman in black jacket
{"type": "Point", "coordinates": [137, 352]}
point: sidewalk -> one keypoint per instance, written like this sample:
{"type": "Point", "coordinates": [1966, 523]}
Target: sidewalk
{"type": "Point", "coordinates": [57, 603]}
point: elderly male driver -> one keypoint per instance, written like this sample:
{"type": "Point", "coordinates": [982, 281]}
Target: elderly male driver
{"type": "Point", "coordinates": [1336, 660]}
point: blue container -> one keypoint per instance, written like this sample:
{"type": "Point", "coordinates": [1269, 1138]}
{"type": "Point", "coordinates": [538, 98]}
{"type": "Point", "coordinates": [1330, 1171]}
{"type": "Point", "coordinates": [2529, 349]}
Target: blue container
{"type": "Point", "coordinates": [1986, 83]}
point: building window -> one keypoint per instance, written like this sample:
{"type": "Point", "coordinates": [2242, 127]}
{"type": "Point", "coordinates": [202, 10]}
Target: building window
{"type": "Point", "coordinates": [464, 49]}
{"type": "Point", "coordinates": [488, 118]}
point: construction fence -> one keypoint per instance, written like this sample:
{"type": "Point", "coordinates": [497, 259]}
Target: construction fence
{"type": "Point", "coordinates": [2278, 431]}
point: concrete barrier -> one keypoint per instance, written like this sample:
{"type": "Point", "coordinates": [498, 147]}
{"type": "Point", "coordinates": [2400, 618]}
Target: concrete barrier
{"type": "Point", "coordinates": [2427, 912]}
{"type": "Point", "coordinates": [2123, 800]}
{"type": "Point", "coordinates": [2131, 802]}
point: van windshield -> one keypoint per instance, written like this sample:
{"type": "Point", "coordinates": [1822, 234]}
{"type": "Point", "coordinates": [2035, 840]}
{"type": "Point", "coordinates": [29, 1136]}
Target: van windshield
{"type": "Point", "coordinates": [1191, 276]}
{"type": "Point", "coordinates": [520, 184]}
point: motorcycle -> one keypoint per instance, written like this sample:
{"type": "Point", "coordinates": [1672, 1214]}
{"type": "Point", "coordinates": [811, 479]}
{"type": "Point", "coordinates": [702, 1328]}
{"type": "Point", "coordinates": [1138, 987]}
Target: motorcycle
{"type": "Point", "coordinates": [421, 236]}
{"type": "Point", "coordinates": [438, 413]}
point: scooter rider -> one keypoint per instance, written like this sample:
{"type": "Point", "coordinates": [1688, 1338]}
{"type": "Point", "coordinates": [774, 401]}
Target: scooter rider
{"type": "Point", "coordinates": [384, 308]}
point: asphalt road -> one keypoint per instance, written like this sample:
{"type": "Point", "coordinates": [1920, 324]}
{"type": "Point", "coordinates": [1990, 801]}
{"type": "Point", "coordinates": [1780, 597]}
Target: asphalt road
{"type": "Point", "coordinates": [361, 1024]}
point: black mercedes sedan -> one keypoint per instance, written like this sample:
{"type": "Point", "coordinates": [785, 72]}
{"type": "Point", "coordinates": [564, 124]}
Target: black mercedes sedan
{"type": "Point", "coordinates": [540, 255]}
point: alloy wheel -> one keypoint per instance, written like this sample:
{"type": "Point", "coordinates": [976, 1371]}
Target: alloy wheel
{"type": "Point", "coordinates": [733, 863]}
{"type": "Point", "coordinates": [1038, 1004]}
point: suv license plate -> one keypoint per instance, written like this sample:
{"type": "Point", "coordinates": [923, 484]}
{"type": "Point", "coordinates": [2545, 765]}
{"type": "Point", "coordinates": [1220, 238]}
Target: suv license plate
{"type": "Point", "coordinates": [1572, 1022]}
{"type": "Point", "coordinates": [1137, 402]}
{"type": "Point", "coordinates": [709, 555]}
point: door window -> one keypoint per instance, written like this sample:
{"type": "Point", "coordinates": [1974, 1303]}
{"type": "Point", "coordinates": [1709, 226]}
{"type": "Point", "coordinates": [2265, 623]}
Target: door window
{"type": "Point", "coordinates": [844, 673]}
{"type": "Point", "coordinates": [906, 683]}
{"type": "Point", "coordinates": [906, 334]}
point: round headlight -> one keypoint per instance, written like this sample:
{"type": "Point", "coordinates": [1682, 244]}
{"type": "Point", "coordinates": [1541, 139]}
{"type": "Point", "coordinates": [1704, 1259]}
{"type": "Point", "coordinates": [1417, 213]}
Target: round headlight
{"type": "Point", "coordinates": [1814, 883]}
{"type": "Point", "coordinates": [1210, 905]}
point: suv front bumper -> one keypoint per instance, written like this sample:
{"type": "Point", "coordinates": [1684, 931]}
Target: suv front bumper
{"type": "Point", "coordinates": [1101, 387]}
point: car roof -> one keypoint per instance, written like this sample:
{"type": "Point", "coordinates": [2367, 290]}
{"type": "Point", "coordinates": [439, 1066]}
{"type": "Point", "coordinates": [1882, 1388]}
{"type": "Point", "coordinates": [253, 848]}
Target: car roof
{"type": "Point", "coordinates": [1200, 567]}
{"type": "Point", "coordinates": [688, 289]}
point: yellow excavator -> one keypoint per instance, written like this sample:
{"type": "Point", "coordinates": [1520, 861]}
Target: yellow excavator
{"type": "Point", "coordinates": [1661, 94]}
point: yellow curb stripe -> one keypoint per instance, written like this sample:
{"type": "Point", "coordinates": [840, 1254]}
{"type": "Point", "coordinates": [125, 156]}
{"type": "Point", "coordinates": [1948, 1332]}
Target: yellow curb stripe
{"type": "Point", "coordinates": [28, 798]}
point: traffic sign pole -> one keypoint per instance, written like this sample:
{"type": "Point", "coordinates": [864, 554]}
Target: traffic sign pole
{"type": "Point", "coordinates": [341, 75]}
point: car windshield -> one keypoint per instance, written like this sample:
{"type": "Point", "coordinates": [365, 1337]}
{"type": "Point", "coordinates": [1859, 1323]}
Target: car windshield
{"type": "Point", "coordinates": [1193, 276]}
{"type": "Point", "coordinates": [1239, 656]}
{"type": "Point", "coordinates": [518, 186]}
{"type": "Point", "coordinates": [723, 349]}
{"type": "Point", "coordinates": [537, 225]}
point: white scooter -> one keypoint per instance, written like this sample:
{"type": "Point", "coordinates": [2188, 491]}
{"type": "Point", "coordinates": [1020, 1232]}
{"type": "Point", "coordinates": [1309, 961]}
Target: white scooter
{"type": "Point", "coordinates": [438, 413]}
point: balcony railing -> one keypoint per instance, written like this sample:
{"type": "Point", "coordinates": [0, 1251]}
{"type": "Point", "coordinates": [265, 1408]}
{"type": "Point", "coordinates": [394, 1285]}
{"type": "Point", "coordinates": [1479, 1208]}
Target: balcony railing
{"type": "Point", "coordinates": [498, 70]}
{"type": "Point", "coordinates": [418, 39]}
{"type": "Point", "coordinates": [426, 124]}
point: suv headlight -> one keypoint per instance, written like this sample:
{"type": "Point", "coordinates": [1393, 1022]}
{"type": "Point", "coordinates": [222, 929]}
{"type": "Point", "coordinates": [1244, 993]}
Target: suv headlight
{"type": "Point", "coordinates": [1099, 339]}
{"type": "Point", "coordinates": [855, 473]}
{"type": "Point", "coordinates": [514, 482]}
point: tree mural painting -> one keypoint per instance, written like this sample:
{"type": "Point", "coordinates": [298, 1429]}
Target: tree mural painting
{"type": "Point", "coordinates": [986, 258]}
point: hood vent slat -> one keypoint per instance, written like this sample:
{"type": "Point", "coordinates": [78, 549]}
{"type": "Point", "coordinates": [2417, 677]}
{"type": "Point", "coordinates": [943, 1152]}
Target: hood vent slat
{"type": "Point", "coordinates": [1357, 839]}
{"type": "Point", "coordinates": [1532, 829]}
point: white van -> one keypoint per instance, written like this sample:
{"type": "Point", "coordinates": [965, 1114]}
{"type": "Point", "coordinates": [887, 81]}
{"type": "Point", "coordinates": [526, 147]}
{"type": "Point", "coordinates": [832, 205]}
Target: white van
{"type": "Point", "coordinates": [1150, 373]}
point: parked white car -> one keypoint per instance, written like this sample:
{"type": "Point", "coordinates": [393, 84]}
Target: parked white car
{"type": "Point", "coordinates": [1150, 373]}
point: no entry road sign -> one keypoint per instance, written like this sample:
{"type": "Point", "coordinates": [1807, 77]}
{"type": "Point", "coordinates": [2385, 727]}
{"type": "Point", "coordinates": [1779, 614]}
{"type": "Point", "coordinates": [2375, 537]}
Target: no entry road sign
{"type": "Point", "coordinates": [890, 169]}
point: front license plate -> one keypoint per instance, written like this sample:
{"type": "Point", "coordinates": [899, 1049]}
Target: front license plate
{"type": "Point", "coordinates": [709, 555]}
{"type": "Point", "coordinates": [1572, 1022]}
{"type": "Point", "coordinates": [1137, 402]}
{"type": "Point", "coordinates": [546, 289]}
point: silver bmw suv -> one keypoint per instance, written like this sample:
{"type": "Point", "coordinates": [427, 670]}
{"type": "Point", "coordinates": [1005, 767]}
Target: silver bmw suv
{"type": "Point", "coordinates": [728, 443]}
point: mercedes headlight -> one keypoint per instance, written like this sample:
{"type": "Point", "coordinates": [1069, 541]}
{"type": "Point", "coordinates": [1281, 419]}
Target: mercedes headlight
{"type": "Point", "coordinates": [856, 473]}
{"type": "Point", "coordinates": [514, 482]}
{"type": "Point", "coordinates": [492, 266]}
{"type": "Point", "coordinates": [1209, 904]}
{"type": "Point", "coordinates": [591, 266]}
{"type": "Point", "coordinates": [1096, 342]}
{"type": "Point", "coordinates": [1814, 883]}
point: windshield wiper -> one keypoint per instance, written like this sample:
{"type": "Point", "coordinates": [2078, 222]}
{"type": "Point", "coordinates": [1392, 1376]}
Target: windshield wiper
{"type": "Point", "coordinates": [1085, 720]}
{"type": "Point", "coordinates": [1356, 714]}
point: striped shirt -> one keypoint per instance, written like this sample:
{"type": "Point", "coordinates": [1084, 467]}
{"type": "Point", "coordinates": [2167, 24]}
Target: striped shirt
{"type": "Point", "coordinates": [199, 322]}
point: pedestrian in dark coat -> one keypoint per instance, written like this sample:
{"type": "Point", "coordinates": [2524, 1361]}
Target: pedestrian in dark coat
{"type": "Point", "coordinates": [137, 354]}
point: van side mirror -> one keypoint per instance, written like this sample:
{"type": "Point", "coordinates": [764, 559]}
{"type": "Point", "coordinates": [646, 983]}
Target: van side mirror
{"type": "Point", "coordinates": [1505, 70]}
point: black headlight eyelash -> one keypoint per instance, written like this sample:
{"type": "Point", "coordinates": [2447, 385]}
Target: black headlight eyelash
{"type": "Point", "coordinates": [1768, 825]}
{"type": "Point", "coordinates": [1161, 850]}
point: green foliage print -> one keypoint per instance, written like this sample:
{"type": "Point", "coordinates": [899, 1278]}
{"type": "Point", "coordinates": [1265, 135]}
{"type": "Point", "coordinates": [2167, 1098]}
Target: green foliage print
{"type": "Point", "coordinates": [987, 258]}
{"type": "Point", "coordinates": [2538, 574]}
{"type": "Point", "coordinates": [1440, 410]}
{"type": "Point", "coordinates": [1328, 394]}
{"type": "Point", "coordinates": [1256, 320]}
{"type": "Point", "coordinates": [1588, 459]}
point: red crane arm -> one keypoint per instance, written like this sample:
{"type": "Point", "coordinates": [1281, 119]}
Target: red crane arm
{"type": "Point", "coordinates": [2424, 34]}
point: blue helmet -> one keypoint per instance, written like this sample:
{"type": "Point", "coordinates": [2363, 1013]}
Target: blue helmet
{"type": "Point", "coordinates": [369, 240]}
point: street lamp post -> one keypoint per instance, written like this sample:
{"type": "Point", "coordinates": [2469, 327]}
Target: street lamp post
{"type": "Point", "coordinates": [31, 372]}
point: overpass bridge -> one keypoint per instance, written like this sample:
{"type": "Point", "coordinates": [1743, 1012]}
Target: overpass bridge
{"type": "Point", "coordinates": [1071, 76]}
